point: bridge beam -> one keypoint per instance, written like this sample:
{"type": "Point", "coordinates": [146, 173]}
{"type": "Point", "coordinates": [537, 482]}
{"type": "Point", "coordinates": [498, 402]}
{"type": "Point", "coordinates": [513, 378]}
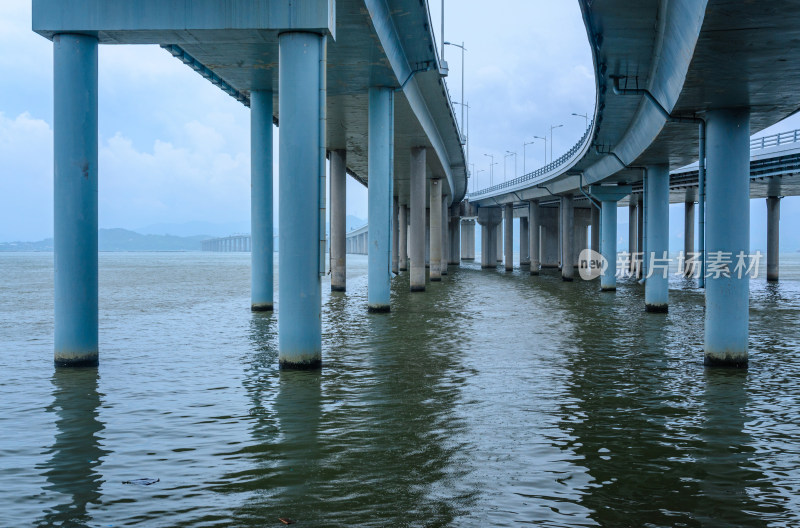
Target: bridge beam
{"type": "Point", "coordinates": [534, 223]}
{"type": "Point", "coordinates": [508, 239]}
{"type": "Point", "coordinates": [338, 249]}
{"type": "Point", "coordinates": [436, 230]}
{"type": "Point", "coordinates": [380, 203]}
{"type": "Point", "coordinates": [656, 287]}
{"type": "Point", "coordinates": [727, 237]}
{"type": "Point", "coordinates": [75, 190]}
{"type": "Point", "coordinates": [261, 201]}
{"type": "Point", "coordinates": [567, 225]}
{"type": "Point", "coordinates": [416, 234]}
{"type": "Point", "coordinates": [301, 84]}
{"type": "Point", "coordinates": [773, 228]}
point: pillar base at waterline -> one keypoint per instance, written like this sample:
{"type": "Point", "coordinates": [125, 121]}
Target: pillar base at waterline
{"type": "Point", "coordinates": [79, 359]}
{"type": "Point", "coordinates": [379, 308]}
{"type": "Point", "coordinates": [338, 288]}
{"type": "Point", "coordinates": [262, 307]}
{"type": "Point", "coordinates": [611, 289]}
{"type": "Point", "coordinates": [300, 361]}
{"type": "Point", "coordinates": [724, 360]}
{"type": "Point", "coordinates": [534, 271]}
{"type": "Point", "coordinates": [656, 308]}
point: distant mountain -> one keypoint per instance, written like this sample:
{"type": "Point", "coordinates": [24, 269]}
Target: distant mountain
{"type": "Point", "coordinates": [120, 240]}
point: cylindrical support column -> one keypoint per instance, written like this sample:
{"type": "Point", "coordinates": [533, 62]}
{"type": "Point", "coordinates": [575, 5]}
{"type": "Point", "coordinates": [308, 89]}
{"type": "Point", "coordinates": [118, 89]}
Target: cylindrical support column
{"type": "Point", "coordinates": [301, 85]}
{"type": "Point", "coordinates": [488, 246]}
{"type": "Point", "coordinates": [608, 244]}
{"type": "Point", "coordinates": [688, 238]}
{"type": "Point", "coordinates": [567, 239]}
{"type": "Point", "coordinates": [395, 236]}
{"type": "Point", "coordinates": [75, 197]}
{"type": "Point", "coordinates": [445, 237]}
{"type": "Point", "coordinates": [640, 238]}
{"type": "Point", "coordinates": [727, 237]}
{"type": "Point", "coordinates": [508, 236]}
{"type": "Point", "coordinates": [533, 234]}
{"type": "Point", "coordinates": [595, 242]}
{"type": "Point", "coordinates": [338, 192]}
{"type": "Point", "coordinates": [455, 240]}
{"type": "Point", "coordinates": [261, 204]}
{"type": "Point", "coordinates": [416, 232]}
{"type": "Point", "coordinates": [656, 286]}
{"type": "Point", "coordinates": [380, 202]}
{"type": "Point", "coordinates": [498, 237]}
{"type": "Point", "coordinates": [524, 241]}
{"type": "Point", "coordinates": [402, 238]}
{"type": "Point", "coordinates": [632, 236]}
{"type": "Point", "coordinates": [773, 228]}
{"type": "Point", "coordinates": [436, 230]}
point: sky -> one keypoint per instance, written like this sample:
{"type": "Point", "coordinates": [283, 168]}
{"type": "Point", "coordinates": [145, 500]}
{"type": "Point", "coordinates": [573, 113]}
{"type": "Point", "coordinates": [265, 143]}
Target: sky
{"type": "Point", "coordinates": [174, 149]}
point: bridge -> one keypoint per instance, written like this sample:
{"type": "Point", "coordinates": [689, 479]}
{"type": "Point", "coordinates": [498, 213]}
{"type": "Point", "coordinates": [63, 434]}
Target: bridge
{"type": "Point", "coordinates": [232, 243]}
{"type": "Point", "coordinates": [359, 84]}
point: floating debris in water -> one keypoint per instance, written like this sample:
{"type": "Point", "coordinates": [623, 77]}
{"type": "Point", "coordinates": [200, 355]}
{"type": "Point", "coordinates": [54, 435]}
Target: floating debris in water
{"type": "Point", "coordinates": [285, 520]}
{"type": "Point", "coordinates": [142, 481]}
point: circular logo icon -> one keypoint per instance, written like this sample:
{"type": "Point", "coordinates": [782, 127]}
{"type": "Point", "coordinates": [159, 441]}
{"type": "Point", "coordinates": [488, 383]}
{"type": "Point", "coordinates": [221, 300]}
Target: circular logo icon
{"type": "Point", "coordinates": [591, 264]}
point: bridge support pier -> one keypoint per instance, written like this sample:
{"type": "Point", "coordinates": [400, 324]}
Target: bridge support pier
{"type": "Point", "coordinates": [609, 196]}
{"type": "Point", "coordinates": [75, 192]}
{"type": "Point", "coordinates": [338, 250]}
{"type": "Point", "coordinates": [533, 236]}
{"type": "Point", "coordinates": [468, 239]}
{"type": "Point", "coordinates": [402, 242]}
{"type": "Point", "coordinates": [261, 201]}
{"type": "Point", "coordinates": [632, 236]}
{"type": "Point", "coordinates": [524, 241]}
{"type": "Point", "coordinates": [640, 238]}
{"type": "Point", "coordinates": [727, 236]}
{"type": "Point", "coordinates": [436, 230]}
{"type": "Point", "coordinates": [595, 241]}
{"type": "Point", "coordinates": [688, 238]}
{"type": "Point", "coordinates": [380, 199]}
{"type": "Point", "coordinates": [498, 238]}
{"type": "Point", "coordinates": [508, 239]}
{"type": "Point", "coordinates": [416, 233]}
{"type": "Point", "coordinates": [455, 240]}
{"type": "Point", "coordinates": [773, 227]}
{"type": "Point", "coordinates": [656, 287]}
{"type": "Point", "coordinates": [567, 239]}
{"type": "Point", "coordinates": [301, 173]}
{"type": "Point", "coordinates": [395, 236]}
{"type": "Point", "coordinates": [489, 218]}
{"type": "Point", "coordinates": [445, 237]}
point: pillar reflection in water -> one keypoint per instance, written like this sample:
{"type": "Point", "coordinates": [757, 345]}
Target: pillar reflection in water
{"type": "Point", "coordinates": [75, 456]}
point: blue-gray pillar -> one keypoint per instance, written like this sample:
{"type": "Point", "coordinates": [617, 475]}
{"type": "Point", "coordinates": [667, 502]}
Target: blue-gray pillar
{"type": "Point", "coordinates": [608, 244]}
{"type": "Point", "coordinates": [656, 286]}
{"type": "Point", "coordinates": [416, 230]}
{"type": "Point", "coordinates": [338, 251]}
{"type": "Point", "coordinates": [508, 236]}
{"type": "Point", "coordinates": [436, 230]}
{"type": "Point", "coordinates": [301, 85]}
{"type": "Point", "coordinates": [380, 164]}
{"type": "Point", "coordinates": [566, 225]}
{"type": "Point", "coordinates": [261, 268]}
{"type": "Point", "coordinates": [533, 233]}
{"type": "Point", "coordinates": [727, 236]}
{"type": "Point", "coordinates": [773, 227]}
{"type": "Point", "coordinates": [75, 193]}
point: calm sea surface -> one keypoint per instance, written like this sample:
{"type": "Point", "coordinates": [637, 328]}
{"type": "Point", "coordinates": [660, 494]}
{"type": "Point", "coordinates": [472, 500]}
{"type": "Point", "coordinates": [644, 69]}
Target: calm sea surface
{"type": "Point", "coordinates": [493, 399]}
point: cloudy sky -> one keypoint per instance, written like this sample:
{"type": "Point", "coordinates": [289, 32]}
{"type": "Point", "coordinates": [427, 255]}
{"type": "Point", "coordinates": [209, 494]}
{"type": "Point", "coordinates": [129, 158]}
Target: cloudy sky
{"type": "Point", "coordinates": [175, 150]}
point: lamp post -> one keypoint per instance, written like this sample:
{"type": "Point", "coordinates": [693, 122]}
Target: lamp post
{"type": "Point", "coordinates": [508, 155]}
{"type": "Point", "coordinates": [585, 116]}
{"type": "Point", "coordinates": [491, 169]}
{"type": "Point", "coordinates": [476, 177]}
{"type": "Point", "coordinates": [545, 146]}
{"type": "Point", "coordinates": [463, 49]}
{"type": "Point", "coordinates": [524, 156]}
{"type": "Point", "coordinates": [551, 140]}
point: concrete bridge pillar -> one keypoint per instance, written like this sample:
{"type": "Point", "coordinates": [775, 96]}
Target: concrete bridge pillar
{"type": "Point", "coordinates": [489, 218]}
{"type": "Point", "coordinates": [427, 238]}
{"type": "Point", "coordinates": [640, 238]}
{"type": "Point", "coordinates": [402, 238]}
{"type": "Point", "coordinates": [455, 240]}
{"type": "Point", "coordinates": [436, 230]}
{"type": "Point", "coordinates": [534, 224]}
{"type": "Point", "coordinates": [508, 239]}
{"type": "Point", "coordinates": [395, 236]}
{"type": "Point", "coordinates": [524, 241]}
{"type": "Point", "coordinates": [656, 286]}
{"type": "Point", "coordinates": [301, 173]}
{"type": "Point", "coordinates": [75, 192]}
{"type": "Point", "coordinates": [727, 236]}
{"type": "Point", "coordinates": [338, 252]}
{"type": "Point", "coordinates": [468, 239]}
{"type": "Point", "coordinates": [688, 237]}
{"type": "Point", "coordinates": [632, 236]}
{"type": "Point", "coordinates": [609, 196]}
{"type": "Point", "coordinates": [595, 242]}
{"type": "Point", "coordinates": [416, 234]}
{"type": "Point", "coordinates": [773, 227]}
{"type": "Point", "coordinates": [445, 233]}
{"type": "Point", "coordinates": [498, 237]}
{"type": "Point", "coordinates": [567, 238]}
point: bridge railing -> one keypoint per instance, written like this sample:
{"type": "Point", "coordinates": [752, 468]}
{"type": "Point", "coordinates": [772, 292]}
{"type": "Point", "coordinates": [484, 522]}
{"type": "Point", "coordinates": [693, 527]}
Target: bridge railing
{"type": "Point", "coordinates": [541, 171]}
{"type": "Point", "coordinates": [775, 140]}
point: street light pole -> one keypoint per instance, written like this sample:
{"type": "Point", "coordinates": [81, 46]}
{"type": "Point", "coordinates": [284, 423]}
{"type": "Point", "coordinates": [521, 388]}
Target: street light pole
{"type": "Point", "coordinates": [463, 49]}
{"type": "Point", "coordinates": [442, 34]}
{"type": "Point", "coordinates": [551, 140]}
{"type": "Point", "coordinates": [508, 155]}
{"type": "Point", "coordinates": [476, 177]}
{"type": "Point", "coordinates": [585, 116]}
{"type": "Point", "coordinates": [525, 157]}
{"type": "Point", "coordinates": [491, 169]}
{"type": "Point", "coordinates": [545, 146]}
